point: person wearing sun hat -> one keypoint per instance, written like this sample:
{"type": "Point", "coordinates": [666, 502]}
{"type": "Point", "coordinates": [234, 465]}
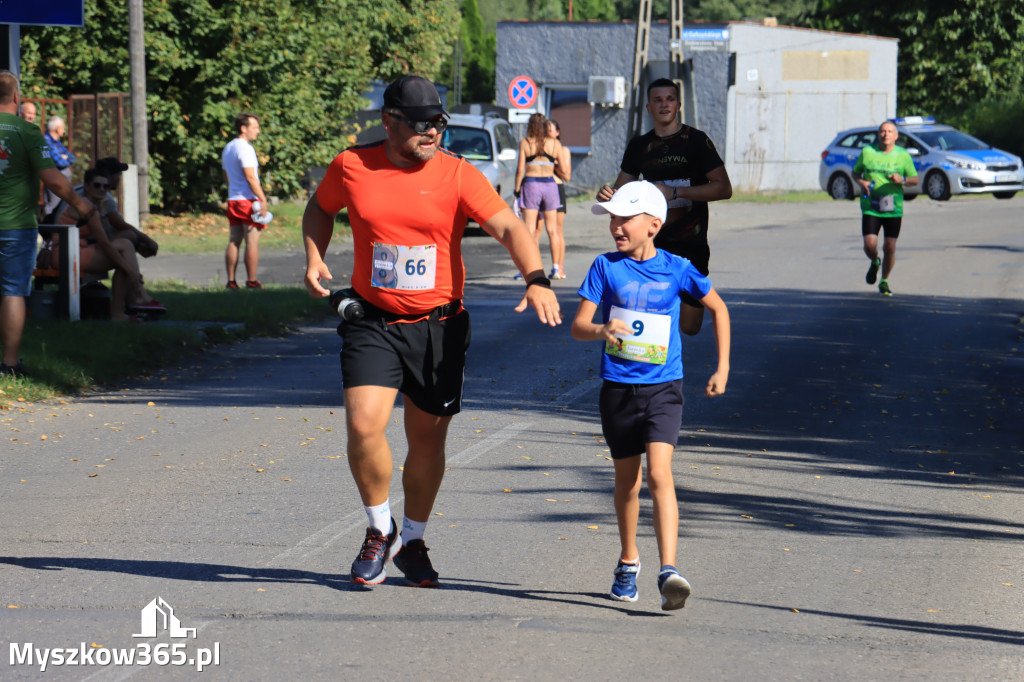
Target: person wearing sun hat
{"type": "Point", "coordinates": [408, 201]}
{"type": "Point", "coordinates": [639, 288]}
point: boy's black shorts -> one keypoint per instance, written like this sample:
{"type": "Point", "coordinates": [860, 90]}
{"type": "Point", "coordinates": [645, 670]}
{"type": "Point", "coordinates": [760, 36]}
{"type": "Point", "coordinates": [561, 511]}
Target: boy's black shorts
{"type": "Point", "coordinates": [633, 415]}
{"type": "Point", "coordinates": [425, 360]}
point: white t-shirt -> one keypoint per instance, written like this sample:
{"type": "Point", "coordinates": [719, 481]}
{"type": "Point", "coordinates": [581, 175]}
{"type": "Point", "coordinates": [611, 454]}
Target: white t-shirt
{"type": "Point", "coordinates": [239, 154]}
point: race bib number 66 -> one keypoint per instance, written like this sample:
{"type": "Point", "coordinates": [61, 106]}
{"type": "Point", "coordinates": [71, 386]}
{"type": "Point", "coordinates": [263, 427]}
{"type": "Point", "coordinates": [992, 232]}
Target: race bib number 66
{"type": "Point", "coordinates": [408, 268]}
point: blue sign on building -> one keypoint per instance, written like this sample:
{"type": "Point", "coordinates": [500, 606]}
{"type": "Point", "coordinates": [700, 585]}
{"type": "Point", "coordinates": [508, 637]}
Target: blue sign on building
{"type": "Point", "coordinates": [49, 13]}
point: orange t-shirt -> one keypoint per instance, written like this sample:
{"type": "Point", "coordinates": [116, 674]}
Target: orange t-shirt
{"type": "Point", "coordinates": [407, 224]}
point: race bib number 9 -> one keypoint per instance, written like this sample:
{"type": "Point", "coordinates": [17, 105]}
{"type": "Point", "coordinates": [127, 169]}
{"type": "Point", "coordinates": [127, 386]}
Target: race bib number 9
{"type": "Point", "coordinates": [649, 341]}
{"type": "Point", "coordinates": [408, 268]}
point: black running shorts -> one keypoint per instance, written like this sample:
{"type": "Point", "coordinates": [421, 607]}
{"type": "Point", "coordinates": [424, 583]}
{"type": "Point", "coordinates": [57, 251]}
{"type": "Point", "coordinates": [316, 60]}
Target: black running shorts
{"type": "Point", "coordinates": [871, 224]}
{"type": "Point", "coordinates": [699, 254]}
{"type": "Point", "coordinates": [401, 355]}
{"type": "Point", "coordinates": [633, 415]}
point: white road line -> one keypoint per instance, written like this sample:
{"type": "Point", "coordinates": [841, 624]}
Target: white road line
{"type": "Point", "coordinates": [489, 443]}
{"type": "Point", "coordinates": [343, 527]}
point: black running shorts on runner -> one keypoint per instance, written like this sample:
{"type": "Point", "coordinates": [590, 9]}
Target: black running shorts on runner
{"type": "Point", "coordinates": [399, 355]}
{"type": "Point", "coordinates": [699, 254]}
{"type": "Point", "coordinates": [633, 415]}
{"type": "Point", "coordinates": [871, 224]}
{"type": "Point", "coordinates": [561, 197]}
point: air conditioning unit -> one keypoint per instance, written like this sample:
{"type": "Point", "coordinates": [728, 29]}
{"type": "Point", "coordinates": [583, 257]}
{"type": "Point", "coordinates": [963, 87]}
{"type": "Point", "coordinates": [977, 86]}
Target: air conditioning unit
{"type": "Point", "coordinates": [607, 91]}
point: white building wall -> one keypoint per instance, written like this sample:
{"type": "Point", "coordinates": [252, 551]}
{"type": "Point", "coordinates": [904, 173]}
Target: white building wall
{"type": "Point", "coordinates": [795, 89]}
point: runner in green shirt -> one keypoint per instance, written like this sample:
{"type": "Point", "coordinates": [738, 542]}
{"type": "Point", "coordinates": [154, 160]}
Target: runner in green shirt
{"type": "Point", "coordinates": [882, 171]}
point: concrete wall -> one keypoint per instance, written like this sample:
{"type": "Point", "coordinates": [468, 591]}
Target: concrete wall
{"type": "Point", "coordinates": [560, 53]}
{"type": "Point", "coordinates": [794, 90]}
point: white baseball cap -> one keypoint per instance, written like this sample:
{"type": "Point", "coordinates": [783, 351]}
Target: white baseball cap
{"type": "Point", "coordinates": [633, 198]}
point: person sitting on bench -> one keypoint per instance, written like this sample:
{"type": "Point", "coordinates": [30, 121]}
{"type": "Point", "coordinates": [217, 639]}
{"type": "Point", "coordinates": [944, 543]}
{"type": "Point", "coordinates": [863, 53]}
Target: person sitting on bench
{"type": "Point", "coordinates": [145, 245]}
{"type": "Point", "coordinates": [98, 254]}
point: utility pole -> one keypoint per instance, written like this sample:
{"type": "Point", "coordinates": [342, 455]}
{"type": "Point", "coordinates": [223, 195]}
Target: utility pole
{"type": "Point", "coordinates": [636, 97]}
{"type": "Point", "coordinates": [140, 128]}
{"type": "Point", "coordinates": [680, 70]}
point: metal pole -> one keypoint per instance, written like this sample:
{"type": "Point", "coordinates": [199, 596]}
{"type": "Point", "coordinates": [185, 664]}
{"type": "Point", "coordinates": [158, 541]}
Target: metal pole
{"type": "Point", "coordinates": [637, 94]}
{"type": "Point", "coordinates": [11, 45]}
{"type": "Point", "coordinates": [140, 132]}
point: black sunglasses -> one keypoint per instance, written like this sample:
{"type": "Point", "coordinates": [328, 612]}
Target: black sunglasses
{"type": "Point", "coordinates": [423, 127]}
{"type": "Point", "coordinates": [100, 185]}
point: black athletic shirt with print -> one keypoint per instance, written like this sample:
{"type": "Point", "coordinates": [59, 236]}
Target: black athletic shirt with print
{"type": "Point", "coordinates": [685, 157]}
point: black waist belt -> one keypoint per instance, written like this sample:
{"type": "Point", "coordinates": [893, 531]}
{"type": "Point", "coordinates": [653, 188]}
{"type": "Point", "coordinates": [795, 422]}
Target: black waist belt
{"type": "Point", "coordinates": [438, 313]}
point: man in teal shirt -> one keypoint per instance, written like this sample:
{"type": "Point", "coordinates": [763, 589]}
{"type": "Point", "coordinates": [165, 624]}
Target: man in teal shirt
{"type": "Point", "coordinates": [883, 170]}
{"type": "Point", "coordinates": [24, 161]}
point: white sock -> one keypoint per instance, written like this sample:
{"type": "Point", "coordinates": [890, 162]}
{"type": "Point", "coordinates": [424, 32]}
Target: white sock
{"type": "Point", "coordinates": [379, 516]}
{"type": "Point", "coordinates": [412, 530]}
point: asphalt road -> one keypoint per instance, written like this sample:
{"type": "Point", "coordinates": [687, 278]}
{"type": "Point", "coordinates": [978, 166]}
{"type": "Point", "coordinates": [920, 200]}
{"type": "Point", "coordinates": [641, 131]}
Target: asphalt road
{"type": "Point", "coordinates": [851, 508]}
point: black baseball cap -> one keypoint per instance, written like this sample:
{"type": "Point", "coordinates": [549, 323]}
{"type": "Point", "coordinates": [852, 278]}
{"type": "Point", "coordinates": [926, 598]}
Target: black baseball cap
{"type": "Point", "coordinates": [111, 164]}
{"type": "Point", "coordinates": [416, 97]}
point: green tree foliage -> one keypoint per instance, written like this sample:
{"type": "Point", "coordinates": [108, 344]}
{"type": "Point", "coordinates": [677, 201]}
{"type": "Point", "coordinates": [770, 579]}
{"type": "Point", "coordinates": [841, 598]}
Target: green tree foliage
{"type": "Point", "coordinates": [788, 12]}
{"type": "Point", "coordinates": [479, 49]}
{"type": "Point", "coordinates": [301, 65]}
{"type": "Point", "coordinates": [952, 53]}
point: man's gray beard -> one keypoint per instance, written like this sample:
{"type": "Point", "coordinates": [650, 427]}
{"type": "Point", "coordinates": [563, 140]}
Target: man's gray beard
{"type": "Point", "coordinates": [424, 154]}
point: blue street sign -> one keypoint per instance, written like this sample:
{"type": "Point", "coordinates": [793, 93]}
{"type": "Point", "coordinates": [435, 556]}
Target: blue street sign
{"type": "Point", "coordinates": [49, 13]}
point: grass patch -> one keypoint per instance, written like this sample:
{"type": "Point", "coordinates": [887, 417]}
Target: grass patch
{"type": "Point", "coordinates": [791, 197]}
{"type": "Point", "coordinates": [65, 358]}
{"type": "Point", "coordinates": [208, 232]}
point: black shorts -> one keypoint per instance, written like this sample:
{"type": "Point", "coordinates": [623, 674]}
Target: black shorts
{"type": "Point", "coordinates": [697, 252]}
{"type": "Point", "coordinates": [561, 197]}
{"type": "Point", "coordinates": [871, 224]}
{"type": "Point", "coordinates": [633, 415]}
{"type": "Point", "coordinates": [424, 360]}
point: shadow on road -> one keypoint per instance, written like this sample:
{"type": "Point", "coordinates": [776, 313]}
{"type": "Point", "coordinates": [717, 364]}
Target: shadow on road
{"type": "Point", "coordinates": [212, 573]}
{"type": "Point", "coordinates": [944, 629]}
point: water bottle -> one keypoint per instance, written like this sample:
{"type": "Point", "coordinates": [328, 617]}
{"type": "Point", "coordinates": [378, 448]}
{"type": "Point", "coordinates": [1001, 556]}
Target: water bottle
{"type": "Point", "coordinates": [257, 218]}
{"type": "Point", "coordinates": [348, 304]}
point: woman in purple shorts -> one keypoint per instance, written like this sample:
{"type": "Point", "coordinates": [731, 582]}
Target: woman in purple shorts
{"type": "Point", "coordinates": [536, 189]}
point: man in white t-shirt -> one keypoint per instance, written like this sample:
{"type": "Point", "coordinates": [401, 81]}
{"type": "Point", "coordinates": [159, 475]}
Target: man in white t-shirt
{"type": "Point", "coordinates": [240, 172]}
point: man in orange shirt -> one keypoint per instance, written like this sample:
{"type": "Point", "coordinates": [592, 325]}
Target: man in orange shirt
{"type": "Point", "coordinates": [408, 202]}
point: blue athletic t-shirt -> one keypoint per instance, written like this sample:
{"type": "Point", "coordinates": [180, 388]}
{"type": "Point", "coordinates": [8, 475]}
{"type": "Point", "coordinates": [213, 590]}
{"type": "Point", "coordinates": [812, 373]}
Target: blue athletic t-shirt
{"type": "Point", "coordinates": [646, 295]}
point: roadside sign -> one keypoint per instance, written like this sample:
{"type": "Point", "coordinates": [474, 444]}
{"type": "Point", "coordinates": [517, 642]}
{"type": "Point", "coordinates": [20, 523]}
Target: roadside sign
{"type": "Point", "coordinates": [50, 13]}
{"type": "Point", "coordinates": [522, 92]}
{"type": "Point", "coordinates": [520, 115]}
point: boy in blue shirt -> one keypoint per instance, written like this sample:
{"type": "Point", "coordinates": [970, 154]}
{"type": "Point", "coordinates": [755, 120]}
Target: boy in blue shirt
{"type": "Point", "coordinates": [639, 288]}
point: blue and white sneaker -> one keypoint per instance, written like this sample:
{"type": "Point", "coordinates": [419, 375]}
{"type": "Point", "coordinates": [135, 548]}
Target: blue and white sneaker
{"type": "Point", "coordinates": [368, 568]}
{"type": "Point", "coordinates": [674, 589]}
{"type": "Point", "coordinates": [624, 587]}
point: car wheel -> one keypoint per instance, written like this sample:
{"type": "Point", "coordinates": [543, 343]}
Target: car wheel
{"type": "Point", "coordinates": [937, 186]}
{"type": "Point", "coordinates": [1003, 195]}
{"type": "Point", "coordinates": [840, 187]}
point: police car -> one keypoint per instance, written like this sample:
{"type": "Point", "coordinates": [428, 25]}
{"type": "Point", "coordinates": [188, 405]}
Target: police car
{"type": "Point", "coordinates": [948, 161]}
